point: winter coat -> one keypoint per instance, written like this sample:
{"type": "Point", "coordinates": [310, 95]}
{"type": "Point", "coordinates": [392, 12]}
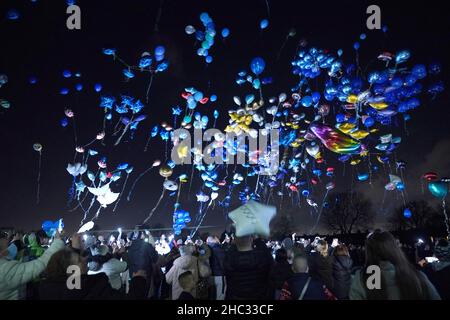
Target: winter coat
{"type": "Point", "coordinates": [141, 256]}
{"type": "Point", "coordinates": [181, 265]}
{"type": "Point", "coordinates": [293, 288]}
{"type": "Point", "coordinates": [321, 267]}
{"type": "Point", "coordinates": [93, 287]}
{"type": "Point", "coordinates": [439, 275]}
{"type": "Point", "coordinates": [113, 268]}
{"type": "Point", "coordinates": [280, 272]}
{"type": "Point", "coordinates": [358, 288]}
{"type": "Point", "coordinates": [342, 277]}
{"type": "Point", "coordinates": [15, 274]}
{"type": "Point", "coordinates": [247, 274]}
{"type": "Point", "coordinates": [216, 260]}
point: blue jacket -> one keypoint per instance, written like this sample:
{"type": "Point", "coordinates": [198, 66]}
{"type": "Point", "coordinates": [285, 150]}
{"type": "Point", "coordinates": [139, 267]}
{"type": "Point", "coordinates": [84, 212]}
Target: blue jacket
{"type": "Point", "coordinates": [295, 284]}
{"type": "Point", "coordinates": [141, 256]}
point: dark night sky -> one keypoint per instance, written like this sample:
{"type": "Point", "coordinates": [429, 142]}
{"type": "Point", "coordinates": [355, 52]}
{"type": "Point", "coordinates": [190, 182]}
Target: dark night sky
{"type": "Point", "coordinates": [39, 44]}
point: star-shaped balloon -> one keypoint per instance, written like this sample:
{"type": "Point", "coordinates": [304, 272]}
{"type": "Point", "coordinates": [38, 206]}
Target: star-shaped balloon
{"type": "Point", "coordinates": [253, 218]}
{"type": "Point", "coordinates": [176, 111]}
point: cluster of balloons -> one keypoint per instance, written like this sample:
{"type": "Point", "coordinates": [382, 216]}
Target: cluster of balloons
{"type": "Point", "coordinates": [206, 37]}
{"type": "Point", "coordinates": [180, 219]}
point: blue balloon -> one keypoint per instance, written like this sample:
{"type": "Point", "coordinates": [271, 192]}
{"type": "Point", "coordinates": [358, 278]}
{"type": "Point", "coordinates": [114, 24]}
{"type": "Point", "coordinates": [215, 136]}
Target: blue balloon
{"type": "Point", "coordinates": [362, 36]}
{"type": "Point", "coordinates": [32, 80]}
{"type": "Point", "coordinates": [13, 14]}
{"type": "Point", "coordinates": [79, 87]}
{"type": "Point", "coordinates": [356, 46]}
{"type": "Point", "coordinates": [257, 65]}
{"type": "Point", "coordinates": [98, 87]}
{"type": "Point", "coordinates": [209, 59]}
{"type": "Point", "coordinates": [305, 193]}
{"type": "Point", "coordinates": [369, 121]}
{"type": "Point", "coordinates": [407, 213]}
{"type": "Point", "coordinates": [64, 91]}
{"type": "Point", "coordinates": [67, 74]}
{"type": "Point", "coordinates": [64, 122]}
{"type": "Point", "coordinates": [306, 101]}
{"type": "Point", "coordinates": [213, 98]}
{"type": "Point", "coordinates": [160, 51]}
{"type": "Point", "coordinates": [225, 32]}
{"type": "Point", "coordinates": [264, 24]}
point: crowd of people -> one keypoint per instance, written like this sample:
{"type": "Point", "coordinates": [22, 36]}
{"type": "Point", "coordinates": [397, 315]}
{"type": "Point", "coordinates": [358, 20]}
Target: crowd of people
{"type": "Point", "coordinates": [34, 266]}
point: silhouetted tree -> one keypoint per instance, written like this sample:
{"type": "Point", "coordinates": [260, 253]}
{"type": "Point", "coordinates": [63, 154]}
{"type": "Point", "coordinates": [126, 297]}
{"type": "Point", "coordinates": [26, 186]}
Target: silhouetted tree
{"type": "Point", "coordinates": [348, 211]}
{"type": "Point", "coordinates": [422, 216]}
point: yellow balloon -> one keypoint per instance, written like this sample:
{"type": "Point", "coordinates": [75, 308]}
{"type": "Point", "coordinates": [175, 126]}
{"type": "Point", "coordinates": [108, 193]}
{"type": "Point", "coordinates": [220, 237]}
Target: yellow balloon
{"type": "Point", "coordinates": [182, 151]}
{"type": "Point", "coordinates": [359, 134]}
{"type": "Point", "coordinates": [345, 127]}
{"type": "Point", "coordinates": [353, 98]}
{"type": "Point", "coordinates": [379, 105]}
{"type": "Point", "coordinates": [355, 162]}
{"type": "Point", "coordinates": [165, 171]}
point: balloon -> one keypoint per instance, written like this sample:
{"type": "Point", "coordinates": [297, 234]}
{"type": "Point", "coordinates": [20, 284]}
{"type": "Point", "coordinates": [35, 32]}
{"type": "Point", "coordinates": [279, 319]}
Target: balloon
{"type": "Point", "coordinates": [37, 147]}
{"type": "Point", "coordinates": [170, 185]}
{"type": "Point", "coordinates": [252, 218]}
{"type": "Point", "coordinates": [257, 65]}
{"type": "Point", "coordinates": [189, 29]}
{"type": "Point", "coordinates": [76, 169]}
{"type": "Point", "coordinates": [334, 140]}
{"type": "Point", "coordinates": [438, 189]}
{"type": "Point", "coordinates": [13, 14]}
{"type": "Point", "coordinates": [430, 176]}
{"type": "Point", "coordinates": [165, 171]}
{"type": "Point", "coordinates": [5, 104]}
{"type": "Point", "coordinates": [225, 32]}
{"type": "Point", "coordinates": [104, 195]}
{"type": "Point", "coordinates": [264, 24]}
{"type": "Point", "coordinates": [363, 176]}
{"type": "Point", "coordinates": [407, 213]}
{"type": "Point", "coordinates": [98, 87]}
{"type": "Point", "coordinates": [330, 185]}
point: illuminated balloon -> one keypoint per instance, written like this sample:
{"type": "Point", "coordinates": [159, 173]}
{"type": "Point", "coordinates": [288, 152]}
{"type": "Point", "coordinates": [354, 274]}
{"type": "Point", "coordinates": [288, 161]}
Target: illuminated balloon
{"type": "Point", "coordinates": [37, 147]}
{"type": "Point", "coordinates": [165, 171]}
{"type": "Point", "coordinates": [257, 65]}
{"type": "Point", "coordinates": [439, 189]}
{"type": "Point", "coordinates": [170, 185]}
{"type": "Point", "coordinates": [264, 24]}
{"type": "Point", "coordinates": [407, 213]}
{"type": "Point", "coordinates": [335, 140]}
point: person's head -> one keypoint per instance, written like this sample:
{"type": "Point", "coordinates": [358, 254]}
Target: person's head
{"type": "Point", "coordinates": [340, 250]}
{"type": "Point", "coordinates": [300, 264]}
{"type": "Point", "coordinates": [42, 238]}
{"type": "Point", "coordinates": [244, 243]}
{"type": "Point", "coordinates": [381, 247]}
{"type": "Point", "coordinates": [287, 243]}
{"type": "Point", "coordinates": [442, 250]}
{"type": "Point", "coordinates": [186, 280]}
{"type": "Point", "coordinates": [3, 244]}
{"type": "Point", "coordinates": [281, 255]}
{"type": "Point", "coordinates": [212, 240]}
{"type": "Point", "coordinates": [187, 250]}
{"type": "Point", "coordinates": [322, 247]}
{"type": "Point", "coordinates": [59, 263]}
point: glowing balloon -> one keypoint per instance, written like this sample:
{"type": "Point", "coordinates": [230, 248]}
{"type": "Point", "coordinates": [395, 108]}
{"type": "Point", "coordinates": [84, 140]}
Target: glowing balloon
{"type": "Point", "coordinates": [257, 65]}
{"type": "Point", "coordinates": [165, 171]}
{"type": "Point", "coordinates": [439, 189]}
{"type": "Point", "coordinates": [335, 140]}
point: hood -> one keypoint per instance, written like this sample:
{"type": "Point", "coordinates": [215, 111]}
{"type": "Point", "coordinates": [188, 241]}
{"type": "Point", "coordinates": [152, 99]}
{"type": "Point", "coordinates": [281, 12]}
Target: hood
{"type": "Point", "coordinates": [341, 262]}
{"type": "Point", "coordinates": [185, 262]}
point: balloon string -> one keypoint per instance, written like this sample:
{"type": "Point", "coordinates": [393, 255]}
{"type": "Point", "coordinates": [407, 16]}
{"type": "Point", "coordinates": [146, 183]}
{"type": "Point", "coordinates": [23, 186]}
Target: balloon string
{"type": "Point", "coordinates": [121, 193]}
{"type": "Point", "coordinates": [39, 179]}
{"type": "Point", "coordinates": [148, 88]}
{"type": "Point", "coordinates": [124, 131]}
{"type": "Point", "coordinates": [320, 213]}
{"type": "Point", "coordinates": [447, 223]}
{"type": "Point", "coordinates": [158, 17]}
{"type": "Point", "coordinates": [201, 220]}
{"type": "Point", "coordinates": [135, 181]}
{"type": "Point", "coordinates": [154, 209]}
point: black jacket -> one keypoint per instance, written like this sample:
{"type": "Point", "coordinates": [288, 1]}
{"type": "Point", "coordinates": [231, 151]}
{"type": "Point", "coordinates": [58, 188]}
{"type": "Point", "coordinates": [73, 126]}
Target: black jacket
{"type": "Point", "coordinates": [247, 274]}
{"type": "Point", "coordinates": [321, 268]}
{"type": "Point", "coordinates": [280, 272]}
{"type": "Point", "coordinates": [342, 278]}
{"type": "Point", "coordinates": [216, 260]}
{"type": "Point", "coordinates": [141, 256]}
{"type": "Point", "coordinates": [297, 282]}
{"type": "Point", "coordinates": [93, 287]}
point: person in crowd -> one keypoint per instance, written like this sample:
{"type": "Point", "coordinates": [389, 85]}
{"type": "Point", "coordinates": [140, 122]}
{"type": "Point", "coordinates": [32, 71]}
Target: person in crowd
{"type": "Point", "coordinates": [280, 272]}
{"type": "Point", "coordinates": [37, 241]}
{"type": "Point", "coordinates": [203, 253]}
{"type": "Point", "coordinates": [438, 271]}
{"type": "Point", "coordinates": [301, 285]}
{"type": "Point", "coordinates": [141, 255]}
{"type": "Point", "coordinates": [105, 262]}
{"type": "Point", "coordinates": [57, 283]}
{"type": "Point", "coordinates": [247, 270]}
{"type": "Point", "coordinates": [14, 275]}
{"type": "Point", "coordinates": [399, 279]}
{"type": "Point", "coordinates": [342, 268]}
{"type": "Point", "coordinates": [320, 264]}
{"type": "Point", "coordinates": [216, 261]}
{"type": "Point", "coordinates": [187, 283]}
{"type": "Point", "coordinates": [164, 264]}
{"type": "Point", "coordinates": [186, 262]}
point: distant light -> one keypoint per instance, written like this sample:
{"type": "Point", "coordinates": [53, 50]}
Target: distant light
{"type": "Point", "coordinates": [85, 237]}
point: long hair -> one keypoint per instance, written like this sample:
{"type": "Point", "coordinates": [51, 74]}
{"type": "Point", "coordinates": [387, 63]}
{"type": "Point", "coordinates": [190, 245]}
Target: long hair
{"type": "Point", "coordinates": [382, 247]}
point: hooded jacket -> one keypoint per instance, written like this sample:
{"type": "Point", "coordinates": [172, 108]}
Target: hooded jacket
{"type": "Point", "coordinates": [342, 278]}
{"type": "Point", "coordinates": [15, 274]}
{"type": "Point", "coordinates": [181, 265]}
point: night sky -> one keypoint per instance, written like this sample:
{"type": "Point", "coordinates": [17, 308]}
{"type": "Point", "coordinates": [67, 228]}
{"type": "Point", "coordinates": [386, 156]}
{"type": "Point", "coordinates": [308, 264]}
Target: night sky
{"type": "Point", "coordinates": [40, 45]}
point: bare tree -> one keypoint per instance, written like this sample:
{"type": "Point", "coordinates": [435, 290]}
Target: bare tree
{"type": "Point", "coordinates": [348, 211]}
{"type": "Point", "coordinates": [422, 216]}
